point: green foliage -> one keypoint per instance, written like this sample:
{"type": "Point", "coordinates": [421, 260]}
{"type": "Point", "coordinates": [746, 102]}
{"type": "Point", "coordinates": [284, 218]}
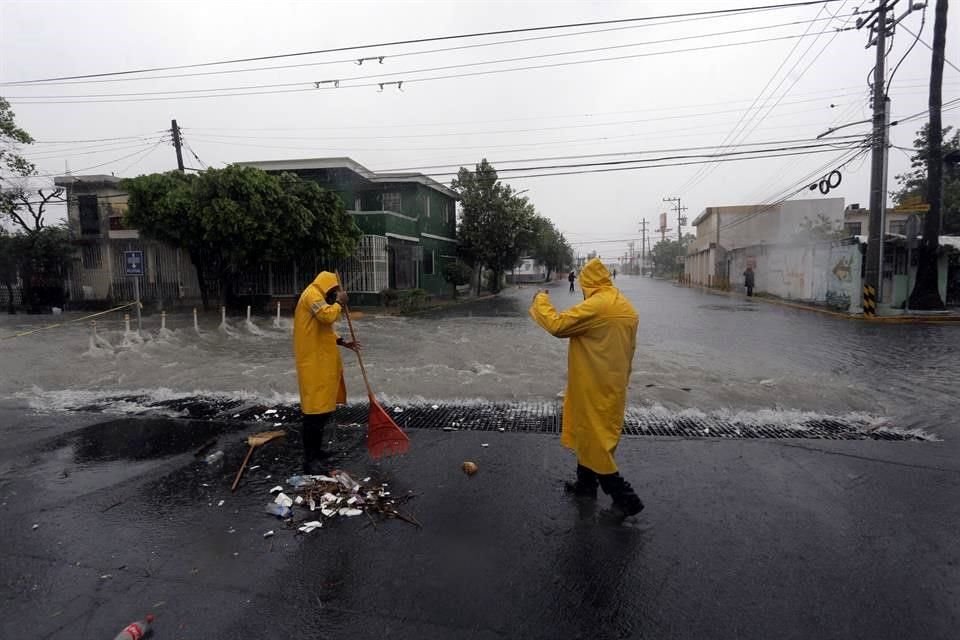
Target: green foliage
{"type": "Point", "coordinates": [497, 225]}
{"type": "Point", "coordinates": [549, 247]}
{"type": "Point", "coordinates": [406, 300]}
{"type": "Point", "coordinates": [914, 182]}
{"type": "Point", "coordinates": [234, 218]}
{"type": "Point", "coordinates": [11, 135]}
{"type": "Point", "coordinates": [457, 273]}
{"type": "Point", "coordinates": [665, 255]}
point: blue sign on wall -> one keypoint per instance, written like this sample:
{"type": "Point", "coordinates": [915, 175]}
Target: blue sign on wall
{"type": "Point", "coordinates": [133, 263]}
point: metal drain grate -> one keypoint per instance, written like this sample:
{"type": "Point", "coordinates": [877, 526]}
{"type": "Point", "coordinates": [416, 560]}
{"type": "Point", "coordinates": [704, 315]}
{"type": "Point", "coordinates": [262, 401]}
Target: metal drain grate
{"type": "Point", "coordinates": [528, 418]}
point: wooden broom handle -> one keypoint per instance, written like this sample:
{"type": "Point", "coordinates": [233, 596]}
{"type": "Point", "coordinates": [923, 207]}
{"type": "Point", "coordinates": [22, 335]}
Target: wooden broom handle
{"type": "Point", "coordinates": [353, 337]}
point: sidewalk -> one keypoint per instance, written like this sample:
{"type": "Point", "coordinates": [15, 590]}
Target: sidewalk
{"type": "Point", "coordinates": [946, 317]}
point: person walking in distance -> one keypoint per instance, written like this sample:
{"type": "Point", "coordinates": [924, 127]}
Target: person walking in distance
{"type": "Point", "coordinates": [748, 280]}
{"type": "Point", "coordinates": [572, 278]}
{"type": "Point", "coordinates": [319, 367]}
{"type": "Point", "coordinates": [603, 332]}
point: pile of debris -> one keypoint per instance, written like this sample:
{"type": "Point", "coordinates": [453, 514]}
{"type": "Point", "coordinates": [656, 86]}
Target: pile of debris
{"type": "Point", "coordinates": [332, 496]}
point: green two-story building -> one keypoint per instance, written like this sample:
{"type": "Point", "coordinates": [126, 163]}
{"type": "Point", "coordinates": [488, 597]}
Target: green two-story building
{"type": "Point", "coordinates": [408, 220]}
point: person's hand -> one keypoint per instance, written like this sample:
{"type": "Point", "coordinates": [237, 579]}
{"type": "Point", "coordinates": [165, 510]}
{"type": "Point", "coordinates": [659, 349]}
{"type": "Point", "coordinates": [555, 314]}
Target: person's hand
{"type": "Point", "coordinates": [342, 297]}
{"type": "Point", "coordinates": [353, 346]}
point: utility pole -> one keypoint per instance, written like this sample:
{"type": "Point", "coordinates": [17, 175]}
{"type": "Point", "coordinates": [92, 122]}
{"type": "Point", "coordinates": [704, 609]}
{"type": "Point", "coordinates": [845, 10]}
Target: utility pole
{"type": "Point", "coordinates": [680, 219]}
{"type": "Point", "coordinates": [879, 26]}
{"type": "Point", "coordinates": [643, 244]}
{"type": "Point", "coordinates": [175, 132]}
{"type": "Point", "coordinates": [926, 290]}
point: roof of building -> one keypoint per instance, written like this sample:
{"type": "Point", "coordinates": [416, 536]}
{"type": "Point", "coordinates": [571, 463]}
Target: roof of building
{"type": "Point", "coordinates": [352, 165]}
{"type": "Point", "coordinates": [99, 178]}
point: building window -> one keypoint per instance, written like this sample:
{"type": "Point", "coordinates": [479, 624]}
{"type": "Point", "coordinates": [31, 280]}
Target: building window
{"type": "Point", "coordinates": [429, 258]}
{"type": "Point", "coordinates": [89, 215]}
{"type": "Point", "coordinates": [357, 205]}
{"type": "Point", "coordinates": [853, 228]}
{"type": "Point", "coordinates": [446, 212]}
{"type": "Point", "coordinates": [428, 205]}
{"type": "Point", "coordinates": [91, 256]}
{"type": "Point", "coordinates": [898, 227]}
{"type": "Point", "coordinates": [391, 201]}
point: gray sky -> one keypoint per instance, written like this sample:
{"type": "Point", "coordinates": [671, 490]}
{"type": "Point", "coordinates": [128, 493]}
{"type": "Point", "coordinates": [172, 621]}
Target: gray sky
{"type": "Point", "coordinates": [651, 103]}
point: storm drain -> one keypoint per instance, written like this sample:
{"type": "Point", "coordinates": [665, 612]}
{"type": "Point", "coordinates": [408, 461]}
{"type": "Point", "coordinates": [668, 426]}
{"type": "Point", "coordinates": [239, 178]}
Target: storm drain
{"type": "Point", "coordinates": [525, 417]}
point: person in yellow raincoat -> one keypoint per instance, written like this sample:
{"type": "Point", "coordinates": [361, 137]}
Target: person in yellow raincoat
{"type": "Point", "coordinates": [319, 368]}
{"type": "Point", "coordinates": [602, 331]}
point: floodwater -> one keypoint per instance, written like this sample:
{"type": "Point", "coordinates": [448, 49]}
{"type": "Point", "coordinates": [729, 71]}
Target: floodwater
{"type": "Point", "coordinates": [696, 351]}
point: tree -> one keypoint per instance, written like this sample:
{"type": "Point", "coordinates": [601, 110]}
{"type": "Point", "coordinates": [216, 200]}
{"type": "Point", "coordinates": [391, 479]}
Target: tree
{"type": "Point", "coordinates": [496, 225]}
{"type": "Point", "coordinates": [666, 252]}
{"type": "Point", "coordinates": [231, 219]}
{"type": "Point", "coordinates": [550, 248]}
{"type": "Point", "coordinates": [36, 255]}
{"type": "Point", "coordinates": [913, 184]}
{"type": "Point", "coordinates": [457, 273]}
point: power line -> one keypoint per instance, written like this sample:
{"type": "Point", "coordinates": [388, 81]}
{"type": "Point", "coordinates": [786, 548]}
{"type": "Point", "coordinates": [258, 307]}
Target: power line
{"type": "Point", "coordinates": [923, 21]}
{"type": "Point", "coordinates": [391, 56]}
{"type": "Point", "coordinates": [338, 84]}
{"type": "Point", "coordinates": [429, 39]}
{"type": "Point", "coordinates": [603, 155]}
{"type": "Point", "coordinates": [924, 43]}
{"type": "Point", "coordinates": [756, 117]}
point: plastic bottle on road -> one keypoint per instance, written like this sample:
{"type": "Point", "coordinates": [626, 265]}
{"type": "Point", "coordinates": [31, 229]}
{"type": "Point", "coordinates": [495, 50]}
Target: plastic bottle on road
{"type": "Point", "coordinates": [136, 630]}
{"type": "Point", "coordinates": [214, 457]}
{"type": "Point", "coordinates": [275, 509]}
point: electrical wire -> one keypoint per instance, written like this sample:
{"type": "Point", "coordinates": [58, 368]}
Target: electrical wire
{"type": "Point", "coordinates": [428, 39]}
{"type": "Point", "coordinates": [757, 117]}
{"type": "Point", "coordinates": [338, 84]}
{"type": "Point", "coordinates": [924, 43]}
{"type": "Point", "coordinates": [393, 56]}
{"type": "Point", "coordinates": [95, 166]}
{"type": "Point", "coordinates": [923, 21]}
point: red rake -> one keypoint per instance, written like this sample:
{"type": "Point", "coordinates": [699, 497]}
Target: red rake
{"type": "Point", "coordinates": [384, 437]}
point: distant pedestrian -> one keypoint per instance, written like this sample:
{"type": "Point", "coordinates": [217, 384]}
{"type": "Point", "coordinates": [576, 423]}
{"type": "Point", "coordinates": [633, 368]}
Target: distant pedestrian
{"type": "Point", "coordinates": [572, 277]}
{"type": "Point", "coordinates": [748, 280]}
{"type": "Point", "coordinates": [603, 333]}
{"type": "Point", "coordinates": [614, 273]}
{"type": "Point", "coordinates": [319, 368]}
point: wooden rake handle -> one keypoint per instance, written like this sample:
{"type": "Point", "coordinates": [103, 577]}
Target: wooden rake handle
{"type": "Point", "coordinates": [243, 466]}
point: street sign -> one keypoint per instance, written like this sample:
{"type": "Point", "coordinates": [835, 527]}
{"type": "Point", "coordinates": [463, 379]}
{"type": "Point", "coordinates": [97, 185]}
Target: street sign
{"type": "Point", "coordinates": [133, 263]}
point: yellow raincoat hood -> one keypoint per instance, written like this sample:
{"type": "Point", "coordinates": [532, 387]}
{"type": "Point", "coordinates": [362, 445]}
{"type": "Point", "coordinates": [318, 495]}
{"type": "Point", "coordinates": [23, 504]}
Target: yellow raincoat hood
{"type": "Point", "coordinates": [319, 367]}
{"type": "Point", "coordinates": [593, 277]}
{"type": "Point", "coordinates": [325, 281]}
{"type": "Point", "coordinates": [602, 331]}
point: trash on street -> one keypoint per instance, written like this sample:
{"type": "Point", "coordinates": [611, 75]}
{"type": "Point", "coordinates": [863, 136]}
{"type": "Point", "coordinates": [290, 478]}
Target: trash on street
{"type": "Point", "coordinates": [337, 494]}
{"type": "Point", "coordinates": [470, 468]}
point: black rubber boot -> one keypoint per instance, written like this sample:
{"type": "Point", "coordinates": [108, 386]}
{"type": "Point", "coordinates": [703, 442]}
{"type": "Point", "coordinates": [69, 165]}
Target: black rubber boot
{"type": "Point", "coordinates": [585, 485]}
{"type": "Point", "coordinates": [312, 432]}
{"type": "Point", "coordinates": [625, 501]}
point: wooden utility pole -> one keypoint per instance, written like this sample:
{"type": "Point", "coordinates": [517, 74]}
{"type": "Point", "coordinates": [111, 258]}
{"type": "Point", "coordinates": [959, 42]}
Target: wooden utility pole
{"type": "Point", "coordinates": [643, 244]}
{"type": "Point", "coordinates": [177, 143]}
{"type": "Point", "coordinates": [926, 289]}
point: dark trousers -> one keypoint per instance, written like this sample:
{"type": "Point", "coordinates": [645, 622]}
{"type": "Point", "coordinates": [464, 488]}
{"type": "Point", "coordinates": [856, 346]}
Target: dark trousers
{"type": "Point", "coordinates": [572, 290]}
{"type": "Point", "coordinates": [749, 289]}
{"type": "Point", "coordinates": [312, 430]}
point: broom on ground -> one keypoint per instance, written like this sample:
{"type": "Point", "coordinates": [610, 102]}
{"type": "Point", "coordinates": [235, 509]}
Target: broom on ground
{"type": "Point", "coordinates": [256, 440]}
{"type": "Point", "coordinates": [384, 437]}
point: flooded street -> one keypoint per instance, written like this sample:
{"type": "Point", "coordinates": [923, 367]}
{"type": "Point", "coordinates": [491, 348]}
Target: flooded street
{"type": "Point", "coordinates": [696, 352]}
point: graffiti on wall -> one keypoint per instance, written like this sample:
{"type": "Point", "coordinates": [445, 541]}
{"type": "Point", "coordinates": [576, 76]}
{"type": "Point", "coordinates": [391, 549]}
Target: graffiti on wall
{"type": "Point", "coordinates": [843, 282]}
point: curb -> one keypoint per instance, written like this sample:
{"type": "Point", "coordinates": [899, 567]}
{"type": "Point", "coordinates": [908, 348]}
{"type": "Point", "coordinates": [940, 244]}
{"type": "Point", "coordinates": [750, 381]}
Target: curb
{"type": "Point", "coordinates": [904, 319]}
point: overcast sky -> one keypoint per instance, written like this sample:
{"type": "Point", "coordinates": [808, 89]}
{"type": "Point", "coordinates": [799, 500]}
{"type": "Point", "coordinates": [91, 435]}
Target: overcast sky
{"type": "Point", "coordinates": [797, 88]}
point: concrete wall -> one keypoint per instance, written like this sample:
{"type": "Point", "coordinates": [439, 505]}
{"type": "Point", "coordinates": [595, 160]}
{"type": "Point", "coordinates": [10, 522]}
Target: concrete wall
{"type": "Point", "coordinates": [794, 272]}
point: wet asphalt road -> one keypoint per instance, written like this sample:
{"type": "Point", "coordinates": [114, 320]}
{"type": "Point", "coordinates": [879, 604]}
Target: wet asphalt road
{"type": "Point", "coordinates": [740, 539]}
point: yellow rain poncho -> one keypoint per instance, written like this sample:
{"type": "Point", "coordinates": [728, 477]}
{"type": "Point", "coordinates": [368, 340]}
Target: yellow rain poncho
{"type": "Point", "coordinates": [603, 333]}
{"type": "Point", "coordinates": [319, 368]}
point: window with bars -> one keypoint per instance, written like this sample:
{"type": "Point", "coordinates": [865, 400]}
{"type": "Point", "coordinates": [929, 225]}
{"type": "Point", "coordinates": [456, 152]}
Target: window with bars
{"type": "Point", "coordinates": [91, 256]}
{"type": "Point", "coordinates": [429, 262]}
{"type": "Point", "coordinates": [89, 214]}
{"type": "Point", "coordinates": [853, 228]}
{"type": "Point", "coordinates": [898, 227]}
{"type": "Point", "coordinates": [391, 201]}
